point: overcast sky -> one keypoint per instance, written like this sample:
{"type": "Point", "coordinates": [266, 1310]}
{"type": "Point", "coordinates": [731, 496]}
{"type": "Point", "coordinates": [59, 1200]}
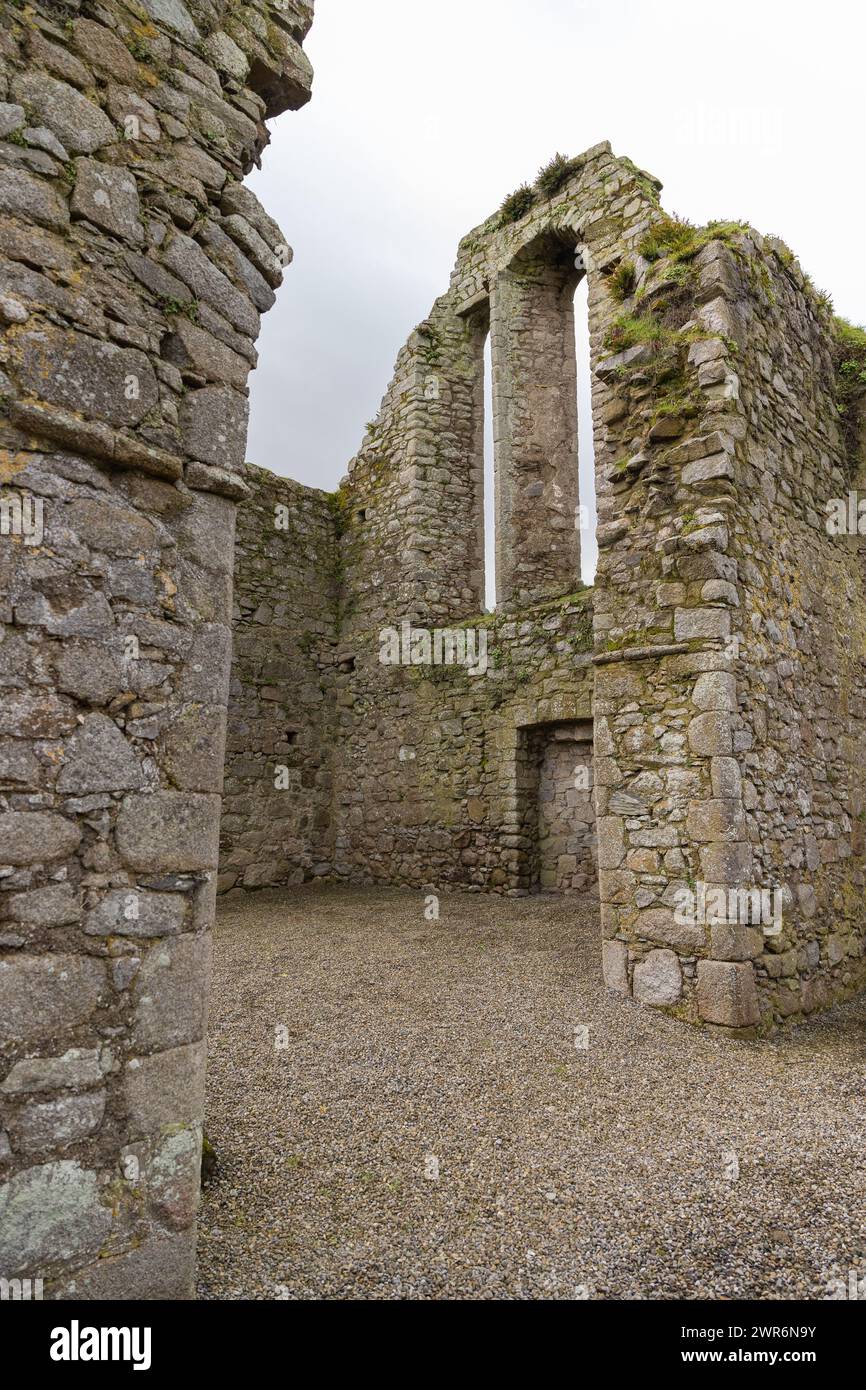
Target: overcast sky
{"type": "Point", "coordinates": [424, 115]}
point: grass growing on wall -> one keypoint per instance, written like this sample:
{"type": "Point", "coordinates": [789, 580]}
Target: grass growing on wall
{"type": "Point", "coordinates": [516, 205]}
{"type": "Point", "coordinates": [850, 362]}
{"type": "Point", "coordinates": [682, 241]}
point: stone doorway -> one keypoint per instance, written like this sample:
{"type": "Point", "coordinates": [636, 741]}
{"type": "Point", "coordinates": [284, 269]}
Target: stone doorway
{"type": "Point", "coordinates": [565, 858]}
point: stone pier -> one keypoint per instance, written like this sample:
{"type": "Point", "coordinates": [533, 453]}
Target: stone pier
{"type": "Point", "coordinates": [135, 268]}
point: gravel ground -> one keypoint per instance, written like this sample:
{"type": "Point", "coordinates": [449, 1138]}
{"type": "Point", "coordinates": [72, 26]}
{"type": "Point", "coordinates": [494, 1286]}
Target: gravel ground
{"type": "Point", "coordinates": [602, 1172]}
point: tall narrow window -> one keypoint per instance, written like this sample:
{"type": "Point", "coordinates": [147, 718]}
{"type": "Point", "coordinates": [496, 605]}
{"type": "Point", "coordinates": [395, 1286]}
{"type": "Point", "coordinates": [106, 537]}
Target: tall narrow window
{"type": "Point", "coordinates": [586, 517]}
{"type": "Point", "coordinates": [489, 487]}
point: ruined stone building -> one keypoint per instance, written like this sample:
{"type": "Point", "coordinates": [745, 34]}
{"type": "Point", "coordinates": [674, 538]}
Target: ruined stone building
{"type": "Point", "coordinates": [710, 684]}
{"type": "Point", "coordinates": [695, 721]}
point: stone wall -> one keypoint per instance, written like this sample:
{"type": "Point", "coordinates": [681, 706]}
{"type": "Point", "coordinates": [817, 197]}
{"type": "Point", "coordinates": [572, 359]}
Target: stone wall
{"type": "Point", "coordinates": [135, 267]}
{"type": "Point", "coordinates": [277, 824]}
{"type": "Point", "coordinates": [566, 811]}
{"type": "Point", "coordinates": [401, 771]}
{"type": "Point", "coordinates": [799, 732]}
{"type": "Point", "coordinates": [730, 671]}
{"type": "Point", "coordinates": [436, 782]}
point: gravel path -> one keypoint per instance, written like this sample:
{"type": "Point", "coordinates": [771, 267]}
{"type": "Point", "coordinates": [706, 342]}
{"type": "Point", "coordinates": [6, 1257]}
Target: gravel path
{"type": "Point", "coordinates": [562, 1172]}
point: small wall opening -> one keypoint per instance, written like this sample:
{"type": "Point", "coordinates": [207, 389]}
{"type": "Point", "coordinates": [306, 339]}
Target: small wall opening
{"type": "Point", "coordinates": [557, 810]}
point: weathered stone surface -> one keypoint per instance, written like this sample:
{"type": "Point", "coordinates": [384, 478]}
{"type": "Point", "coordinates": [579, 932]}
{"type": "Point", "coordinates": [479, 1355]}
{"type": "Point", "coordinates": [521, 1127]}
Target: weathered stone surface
{"type": "Point", "coordinates": [730, 864]}
{"type": "Point", "coordinates": [226, 56]}
{"type": "Point", "coordinates": [715, 690]}
{"type": "Point", "coordinates": [241, 201]}
{"type": "Point", "coordinates": [27, 197]}
{"type": "Point", "coordinates": [35, 245]}
{"type": "Point", "coordinates": [114, 660]}
{"type": "Point", "coordinates": [658, 978]}
{"type": "Point", "coordinates": [76, 1068]}
{"type": "Point", "coordinates": [611, 843]}
{"type": "Point", "coordinates": [289, 87]}
{"type": "Point", "coordinates": [661, 924]}
{"type": "Point", "coordinates": [171, 991]}
{"type": "Point", "coordinates": [107, 197]}
{"type": "Point", "coordinates": [131, 112]}
{"type": "Point", "coordinates": [716, 820]}
{"type": "Point", "coordinates": [55, 905]}
{"type": "Point", "coordinates": [175, 15]}
{"type": "Point", "coordinates": [164, 1089]}
{"type": "Point", "coordinates": [172, 1178]}
{"type": "Point", "coordinates": [169, 830]}
{"type": "Point", "coordinates": [44, 995]}
{"type": "Point", "coordinates": [89, 672]}
{"type": "Point", "coordinates": [99, 759]}
{"type": "Point", "coordinates": [137, 912]}
{"type": "Point", "coordinates": [726, 993]}
{"type": "Point", "coordinates": [615, 965]}
{"type": "Point", "coordinates": [186, 259]}
{"type": "Point", "coordinates": [690, 623]}
{"type": "Point", "coordinates": [726, 779]}
{"type": "Point", "coordinates": [11, 118]}
{"type": "Point", "coordinates": [237, 265]}
{"type": "Point", "coordinates": [205, 477]}
{"type": "Point", "coordinates": [53, 1124]}
{"type": "Point", "coordinates": [18, 764]}
{"type": "Point", "coordinates": [67, 606]}
{"type": "Point", "coordinates": [79, 124]}
{"type": "Point", "coordinates": [213, 424]}
{"type": "Point", "coordinates": [735, 941]}
{"type": "Point", "coordinates": [103, 380]}
{"type": "Point", "coordinates": [50, 1217]}
{"type": "Point", "coordinates": [710, 735]}
{"type": "Point", "coordinates": [255, 248]}
{"type": "Point", "coordinates": [194, 350]}
{"type": "Point", "coordinates": [103, 50]}
{"type": "Point", "coordinates": [709, 469]}
{"type": "Point", "coordinates": [207, 667]}
{"type": "Point", "coordinates": [36, 836]}
{"type": "Point", "coordinates": [193, 748]}
{"type": "Point", "coordinates": [162, 1267]}
{"type": "Point", "coordinates": [115, 529]}
{"type": "Point", "coordinates": [57, 59]}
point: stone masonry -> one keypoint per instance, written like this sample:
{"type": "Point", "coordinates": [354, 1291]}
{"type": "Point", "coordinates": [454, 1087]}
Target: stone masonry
{"type": "Point", "coordinates": [566, 813]}
{"type": "Point", "coordinates": [719, 655]}
{"type": "Point", "coordinates": [135, 268]}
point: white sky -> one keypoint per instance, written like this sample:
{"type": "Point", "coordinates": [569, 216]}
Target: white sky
{"type": "Point", "coordinates": [424, 115]}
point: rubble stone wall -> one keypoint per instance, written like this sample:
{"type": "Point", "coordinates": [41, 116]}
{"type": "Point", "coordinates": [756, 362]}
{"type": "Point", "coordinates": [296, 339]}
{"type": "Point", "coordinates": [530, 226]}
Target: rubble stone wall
{"type": "Point", "coordinates": [135, 267]}
{"type": "Point", "coordinates": [566, 811]}
{"type": "Point", "coordinates": [429, 776]}
{"type": "Point", "coordinates": [729, 662]}
{"type": "Point", "coordinates": [800, 728]}
{"type": "Point", "coordinates": [277, 823]}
